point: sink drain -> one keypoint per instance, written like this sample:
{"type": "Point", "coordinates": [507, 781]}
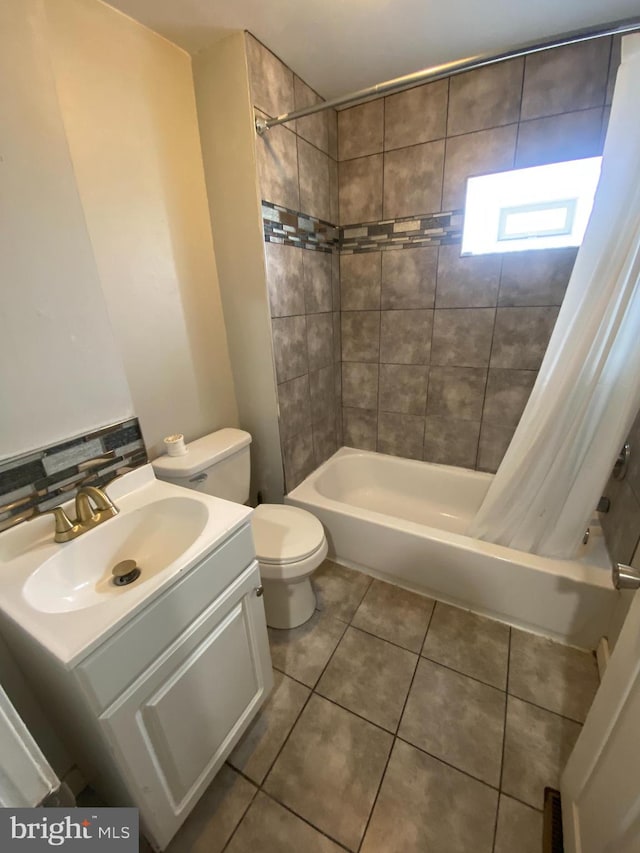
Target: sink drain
{"type": "Point", "coordinates": [125, 572]}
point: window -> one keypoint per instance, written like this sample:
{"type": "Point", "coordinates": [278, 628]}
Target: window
{"type": "Point", "coordinates": [542, 207]}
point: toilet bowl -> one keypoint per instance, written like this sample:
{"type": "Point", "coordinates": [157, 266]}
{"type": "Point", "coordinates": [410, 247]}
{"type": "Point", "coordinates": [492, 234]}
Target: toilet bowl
{"type": "Point", "coordinates": [290, 545]}
{"type": "Point", "coordinates": [290, 542]}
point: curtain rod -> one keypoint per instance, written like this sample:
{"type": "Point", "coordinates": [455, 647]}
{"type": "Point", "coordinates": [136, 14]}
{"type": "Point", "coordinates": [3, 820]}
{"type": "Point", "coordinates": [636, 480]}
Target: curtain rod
{"type": "Point", "coordinates": [437, 72]}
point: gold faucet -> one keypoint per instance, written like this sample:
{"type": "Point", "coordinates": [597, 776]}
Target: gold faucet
{"type": "Point", "coordinates": [86, 517]}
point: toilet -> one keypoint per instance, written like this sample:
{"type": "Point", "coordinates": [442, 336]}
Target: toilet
{"type": "Point", "coordinates": [290, 542]}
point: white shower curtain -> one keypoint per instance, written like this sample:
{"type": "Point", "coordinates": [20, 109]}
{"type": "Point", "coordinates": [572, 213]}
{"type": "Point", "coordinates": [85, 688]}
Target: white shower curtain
{"type": "Point", "coordinates": [588, 390]}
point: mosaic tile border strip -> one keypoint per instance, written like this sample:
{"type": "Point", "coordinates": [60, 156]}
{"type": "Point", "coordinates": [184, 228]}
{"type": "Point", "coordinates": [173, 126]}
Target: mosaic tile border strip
{"type": "Point", "coordinates": [432, 229]}
{"type": "Point", "coordinates": [282, 225]}
{"type": "Point", "coordinates": [51, 476]}
{"type": "Point", "coordinates": [293, 228]}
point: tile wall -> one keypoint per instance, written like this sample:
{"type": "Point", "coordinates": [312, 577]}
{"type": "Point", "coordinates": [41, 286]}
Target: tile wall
{"type": "Point", "coordinates": [440, 352]}
{"type": "Point", "coordinates": [622, 523]}
{"type": "Point", "coordinates": [298, 178]}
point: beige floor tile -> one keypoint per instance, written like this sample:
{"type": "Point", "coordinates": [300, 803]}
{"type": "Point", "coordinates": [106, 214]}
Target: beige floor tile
{"type": "Point", "coordinates": [469, 643]}
{"type": "Point", "coordinates": [369, 677]}
{"type": "Point", "coordinates": [303, 652]}
{"type": "Point", "coordinates": [537, 746]}
{"type": "Point", "coordinates": [269, 828]}
{"type": "Point", "coordinates": [329, 770]}
{"type": "Point", "coordinates": [556, 677]}
{"type": "Point", "coordinates": [519, 828]}
{"type": "Point", "coordinates": [260, 744]}
{"type": "Point", "coordinates": [394, 614]}
{"type": "Point", "coordinates": [424, 805]}
{"type": "Point", "coordinates": [219, 811]}
{"type": "Point", "coordinates": [339, 590]}
{"type": "Point", "coordinates": [457, 719]}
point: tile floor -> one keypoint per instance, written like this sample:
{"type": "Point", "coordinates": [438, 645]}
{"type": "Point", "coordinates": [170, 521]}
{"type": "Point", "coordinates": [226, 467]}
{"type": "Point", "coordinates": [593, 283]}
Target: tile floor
{"type": "Point", "coordinates": [397, 725]}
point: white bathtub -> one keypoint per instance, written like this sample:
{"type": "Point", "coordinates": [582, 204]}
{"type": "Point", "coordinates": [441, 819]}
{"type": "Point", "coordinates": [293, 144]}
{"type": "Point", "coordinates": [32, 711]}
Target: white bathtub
{"type": "Point", "coordinates": [404, 521]}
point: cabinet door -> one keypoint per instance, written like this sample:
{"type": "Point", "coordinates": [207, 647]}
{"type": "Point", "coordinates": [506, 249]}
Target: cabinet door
{"type": "Point", "coordinates": [177, 723]}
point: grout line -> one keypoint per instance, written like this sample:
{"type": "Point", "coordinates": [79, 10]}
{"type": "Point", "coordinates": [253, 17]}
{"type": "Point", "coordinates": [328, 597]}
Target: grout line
{"type": "Point", "coordinates": [251, 801]}
{"type": "Point", "coordinates": [460, 672]}
{"type": "Point", "coordinates": [504, 740]}
{"type": "Point", "coordinates": [448, 764]}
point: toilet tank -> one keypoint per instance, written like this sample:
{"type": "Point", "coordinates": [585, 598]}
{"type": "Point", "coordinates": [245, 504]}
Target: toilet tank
{"type": "Point", "coordinates": [217, 464]}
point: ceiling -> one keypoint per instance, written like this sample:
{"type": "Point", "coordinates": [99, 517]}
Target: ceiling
{"type": "Point", "coordinates": [338, 46]}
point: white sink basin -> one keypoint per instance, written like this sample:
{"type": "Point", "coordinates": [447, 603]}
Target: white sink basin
{"type": "Point", "coordinates": [80, 573]}
{"type": "Point", "coordinates": [63, 595]}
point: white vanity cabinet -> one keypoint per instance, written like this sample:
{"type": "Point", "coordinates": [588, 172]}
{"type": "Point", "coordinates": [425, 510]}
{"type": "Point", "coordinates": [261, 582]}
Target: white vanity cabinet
{"type": "Point", "coordinates": [172, 729]}
{"type": "Point", "coordinates": [152, 712]}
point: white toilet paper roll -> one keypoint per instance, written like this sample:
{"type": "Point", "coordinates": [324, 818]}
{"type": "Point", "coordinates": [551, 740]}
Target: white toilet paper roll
{"type": "Point", "coordinates": [175, 445]}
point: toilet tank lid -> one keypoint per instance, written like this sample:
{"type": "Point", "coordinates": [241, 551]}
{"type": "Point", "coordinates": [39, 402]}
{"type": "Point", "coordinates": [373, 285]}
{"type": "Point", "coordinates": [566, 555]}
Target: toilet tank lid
{"type": "Point", "coordinates": [202, 453]}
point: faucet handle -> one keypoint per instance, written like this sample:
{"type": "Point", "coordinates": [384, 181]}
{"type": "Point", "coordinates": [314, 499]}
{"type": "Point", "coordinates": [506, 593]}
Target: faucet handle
{"type": "Point", "coordinates": [64, 525]}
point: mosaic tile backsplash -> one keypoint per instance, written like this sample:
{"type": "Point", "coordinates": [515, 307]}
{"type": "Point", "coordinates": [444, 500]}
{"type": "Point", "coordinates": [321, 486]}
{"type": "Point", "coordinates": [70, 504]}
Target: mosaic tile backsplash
{"type": "Point", "coordinates": [293, 228]}
{"type": "Point", "coordinates": [45, 478]}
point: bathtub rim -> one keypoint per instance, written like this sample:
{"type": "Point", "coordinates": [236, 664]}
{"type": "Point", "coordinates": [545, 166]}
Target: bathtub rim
{"type": "Point", "coordinates": [576, 570]}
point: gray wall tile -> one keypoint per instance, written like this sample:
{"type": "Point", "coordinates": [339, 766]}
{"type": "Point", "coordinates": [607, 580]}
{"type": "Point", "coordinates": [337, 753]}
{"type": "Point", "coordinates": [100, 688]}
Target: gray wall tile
{"type": "Point", "coordinates": [313, 128]}
{"type": "Point", "coordinates": [521, 337]}
{"type": "Point", "coordinates": [320, 340]}
{"type": "Point", "coordinates": [494, 441]}
{"type": "Point", "coordinates": [290, 347]}
{"type": "Point", "coordinates": [295, 409]}
{"type": "Point", "coordinates": [413, 179]}
{"type": "Point", "coordinates": [536, 278]}
{"type": "Point", "coordinates": [570, 136]}
{"type": "Point", "coordinates": [278, 167]}
{"type": "Point", "coordinates": [462, 336]}
{"type": "Point", "coordinates": [359, 385]}
{"type": "Point", "coordinates": [405, 336]}
{"type": "Point", "coordinates": [337, 337]}
{"type": "Point", "coordinates": [284, 279]}
{"type": "Point", "coordinates": [324, 439]}
{"type": "Point", "coordinates": [507, 395]}
{"type": "Point", "coordinates": [448, 441]}
{"type": "Point", "coordinates": [400, 435]}
{"type": "Point", "coordinates": [360, 281]}
{"type": "Point", "coordinates": [621, 525]}
{"type": "Point", "coordinates": [360, 428]}
{"type": "Point", "coordinates": [477, 153]}
{"type": "Point", "coordinates": [456, 392]}
{"type": "Point", "coordinates": [298, 457]}
{"type": "Point", "coordinates": [403, 388]}
{"type": "Point", "coordinates": [335, 280]}
{"type": "Point", "coordinates": [567, 78]}
{"type": "Point", "coordinates": [409, 278]}
{"type": "Point", "coordinates": [322, 391]}
{"type": "Point", "coordinates": [417, 115]}
{"type": "Point", "coordinates": [360, 130]}
{"type": "Point", "coordinates": [316, 268]}
{"type": "Point", "coordinates": [332, 128]}
{"type": "Point", "coordinates": [360, 335]}
{"type": "Point", "coordinates": [466, 282]}
{"type": "Point", "coordinates": [314, 181]}
{"type": "Point", "coordinates": [334, 184]}
{"type": "Point", "coordinates": [486, 97]}
{"type": "Point", "coordinates": [271, 81]}
{"type": "Point", "coordinates": [360, 194]}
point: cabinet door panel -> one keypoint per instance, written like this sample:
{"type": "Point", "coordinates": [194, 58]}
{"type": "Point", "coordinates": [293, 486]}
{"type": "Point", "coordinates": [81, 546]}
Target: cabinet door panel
{"type": "Point", "coordinates": [172, 729]}
{"type": "Point", "coordinates": [188, 720]}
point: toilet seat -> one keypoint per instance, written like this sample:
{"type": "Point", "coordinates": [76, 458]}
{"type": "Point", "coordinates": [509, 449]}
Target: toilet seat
{"type": "Point", "coordinates": [286, 536]}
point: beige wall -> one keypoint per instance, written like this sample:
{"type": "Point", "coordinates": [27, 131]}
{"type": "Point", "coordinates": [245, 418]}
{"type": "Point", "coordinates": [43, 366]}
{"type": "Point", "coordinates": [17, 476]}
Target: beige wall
{"type": "Point", "coordinates": [60, 370]}
{"type": "Point", "coordinates": [228, 146]}
{"type": "Point", "coordinates": [129, 112]}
